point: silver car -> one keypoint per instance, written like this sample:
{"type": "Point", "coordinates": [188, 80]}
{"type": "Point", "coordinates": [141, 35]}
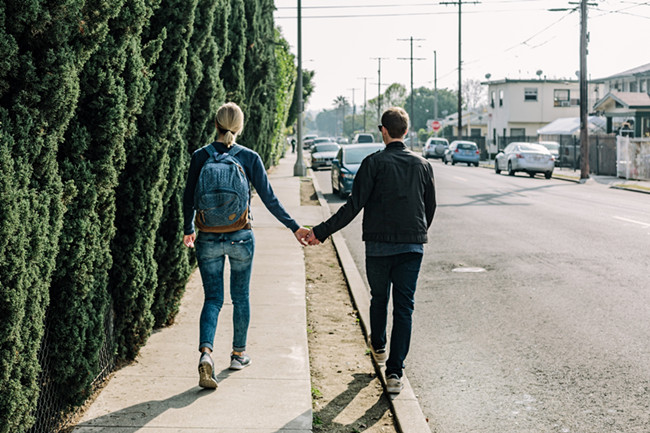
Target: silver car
{"type": "Point", "coordinates": [435, 147]}
{"type": "Point", "coordinates": [531, 158]}
{"type": "Point", "coordinates": [322, 154]}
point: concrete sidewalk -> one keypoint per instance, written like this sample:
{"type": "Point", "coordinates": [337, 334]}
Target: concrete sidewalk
{"type": "Point", "coordinates": [159, 392]}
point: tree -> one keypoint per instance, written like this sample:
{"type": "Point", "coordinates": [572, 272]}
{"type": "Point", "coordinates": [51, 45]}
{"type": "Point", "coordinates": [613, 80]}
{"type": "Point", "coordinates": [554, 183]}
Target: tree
{"type": "Point", "coordinates": [44, 46]}
{"type": "Point", "coordinates": [285, 76]}
{"type": "Point", "coordinates": [154, 160]}
{"type": "Point", "coordinates": [424, 102]}
{"type": "Point", "coordinates": [326, 121]}
{"type": "Point", "coordinates": [307, 89]}
{"type": "Point", "coordinates": [340, 104]}
{"type": "Point", "coordinates": [474, 94]}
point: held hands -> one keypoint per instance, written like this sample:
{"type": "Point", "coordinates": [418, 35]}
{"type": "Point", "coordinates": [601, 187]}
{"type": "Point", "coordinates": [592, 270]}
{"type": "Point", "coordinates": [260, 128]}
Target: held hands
{"type": "Point", "coordinates": [301, 235]}
{"type": "Point", "coordinates": [306, 236]}
{"type": "Point", "coordinates": [311, 238]}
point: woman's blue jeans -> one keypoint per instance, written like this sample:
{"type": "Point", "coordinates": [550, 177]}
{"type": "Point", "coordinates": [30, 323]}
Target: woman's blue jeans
{"type": "Point", "coordinates": [211, 252]}
{"type": "Point", "coordinates": [401, 271]}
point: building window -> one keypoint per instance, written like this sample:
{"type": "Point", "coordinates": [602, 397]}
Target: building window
{"type": "Point", "coordinates": [517, 132]}
{"type": "Point", "coordinates": [561, 98]}
{"type": "Point", "coordinates": [530, 94]}
{"type": "Point", "coordinates": [492, 96]}
{"type": "Point", "coordinates": [500, 98]}
{"type": "Point", "coordinates": [643, 86]}
{"type": "Point", "coordinates": [632, 86]}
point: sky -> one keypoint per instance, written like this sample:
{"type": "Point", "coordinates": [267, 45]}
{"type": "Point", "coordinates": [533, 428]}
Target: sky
{"type": "Point", "coordinates": [342, 39]}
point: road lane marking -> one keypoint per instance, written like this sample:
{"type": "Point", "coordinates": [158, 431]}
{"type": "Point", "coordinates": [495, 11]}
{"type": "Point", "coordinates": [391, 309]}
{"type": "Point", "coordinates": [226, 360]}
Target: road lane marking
{"type": "Point", "coordinates": [645, 225]}
{"type": "Point", "coordinates": [460, 178]}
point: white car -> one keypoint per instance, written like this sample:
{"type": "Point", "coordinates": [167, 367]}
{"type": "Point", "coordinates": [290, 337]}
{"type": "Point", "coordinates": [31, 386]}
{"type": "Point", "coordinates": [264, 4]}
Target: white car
{"type": "Point", "coordinates": [531, 158]}
{"type": "Point", "coordinates": [322, 154]}
{"type": "Point", "coordinates": [435, 147]}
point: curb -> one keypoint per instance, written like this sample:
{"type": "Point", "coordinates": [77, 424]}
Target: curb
{"type": "Point", "coordinates": [409, 417]}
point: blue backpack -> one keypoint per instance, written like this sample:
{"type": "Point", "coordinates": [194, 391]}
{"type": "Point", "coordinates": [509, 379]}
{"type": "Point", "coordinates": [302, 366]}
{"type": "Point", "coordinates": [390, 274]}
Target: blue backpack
{"type": "Point", "coordinates": [222, 193]}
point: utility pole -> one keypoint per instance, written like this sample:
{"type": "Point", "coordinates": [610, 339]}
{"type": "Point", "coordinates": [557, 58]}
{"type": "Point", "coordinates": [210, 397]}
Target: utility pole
{"type": "Point", "coordinates": [364, 101]}
{"type": "Point", "coordinates": [378, 87]}
{"type": "Point", "coordinates": [584, 95]}
{"type": "Point", "coordinates": [584, 89]}
{"type": "Point", "coordinates": [299, 168]}
{"type": "Point", "coordinates": [435, 85]}
{"type": "Point", "coordinates": [354, 112]}
{"type": "Point", "coordinates": [460, 63]}
{"type": "Point", "coordinates": [411, 59]}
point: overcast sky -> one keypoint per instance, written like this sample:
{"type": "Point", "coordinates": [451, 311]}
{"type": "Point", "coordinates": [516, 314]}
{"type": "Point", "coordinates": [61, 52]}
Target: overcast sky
{"type": "Point", "coordinates": [505, 38]}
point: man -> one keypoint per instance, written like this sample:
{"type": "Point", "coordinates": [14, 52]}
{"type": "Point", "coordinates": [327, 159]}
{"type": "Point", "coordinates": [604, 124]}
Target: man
{"type": "Point", "coordinates": [395, 187]}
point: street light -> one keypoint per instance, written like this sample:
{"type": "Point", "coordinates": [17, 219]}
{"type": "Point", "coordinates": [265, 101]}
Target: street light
{"type": "Point", "coordinates": [299, 168]}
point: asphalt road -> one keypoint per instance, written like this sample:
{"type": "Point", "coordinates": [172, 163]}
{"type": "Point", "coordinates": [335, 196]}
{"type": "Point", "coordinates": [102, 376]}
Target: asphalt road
{"type": "Point", "coordinates": [554, 335]}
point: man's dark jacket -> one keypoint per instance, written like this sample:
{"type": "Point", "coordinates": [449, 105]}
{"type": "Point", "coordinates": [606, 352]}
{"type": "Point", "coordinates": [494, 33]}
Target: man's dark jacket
{"type": "Point", "coordinates": [395, 187]}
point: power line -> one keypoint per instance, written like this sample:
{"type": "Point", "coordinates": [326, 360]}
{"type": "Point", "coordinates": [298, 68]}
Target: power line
{"type": "Point", "coordinates": [405, 14]}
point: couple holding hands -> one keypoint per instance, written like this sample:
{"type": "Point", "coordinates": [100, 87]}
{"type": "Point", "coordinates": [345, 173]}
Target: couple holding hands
{"type": "Point", "coordinates": [394, 187]}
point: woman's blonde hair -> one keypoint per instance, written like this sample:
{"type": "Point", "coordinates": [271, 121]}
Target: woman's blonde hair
{"type": "Point", "coordinates": [230, 121]}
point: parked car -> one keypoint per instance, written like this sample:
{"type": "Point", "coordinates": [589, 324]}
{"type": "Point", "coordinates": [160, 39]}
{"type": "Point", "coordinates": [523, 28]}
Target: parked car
{"type": "Point", "coordinates": [322, 154]}
{"type": "Point", "coordinates": [307, 140]}
{"type": "Point", "coordinates": [462, 151]}
{"type": "Point", "coordinates": [554, 148]}
{"type": "Point", "coordinates": [363, 137]}
{"type": "Point", "coordinates": [342, 140]}
{"type": "Point", "coordinates": [346, 164]}
{"type": "Point", "coordinates": [531, 158]}
{"type": "Point", "coordinates": [320, 140]}
{"type": "Point", "coordinates": [435, 147]}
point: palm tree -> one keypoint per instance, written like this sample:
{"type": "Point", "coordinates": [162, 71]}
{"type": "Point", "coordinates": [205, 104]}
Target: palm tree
{"type": "Point", "coordinates": [340, 102]}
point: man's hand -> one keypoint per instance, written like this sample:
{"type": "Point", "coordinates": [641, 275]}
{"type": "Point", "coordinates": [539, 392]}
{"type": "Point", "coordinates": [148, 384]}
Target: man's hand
{"type": "Point", "coordinates": [301, 235]}
{"type": "Point", "coordinates": [311, 238]}
{"type": "Point", "coordinates": [188, 240]}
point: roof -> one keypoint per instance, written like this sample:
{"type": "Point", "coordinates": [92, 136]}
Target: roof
{"type": "Point", "coordinates": [627, 99]}
{"type": "Point", "coordinates": [530, 80]}
{"type": "Point", "coordinates": [643, 69]}
{"type": "Point", "coordinates": [571, 125]}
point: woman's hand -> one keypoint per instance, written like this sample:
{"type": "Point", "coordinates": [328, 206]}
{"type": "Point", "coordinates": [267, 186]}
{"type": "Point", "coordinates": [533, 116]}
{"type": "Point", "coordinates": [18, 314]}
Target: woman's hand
{"type": "Point", "coordinates": [188, 240]}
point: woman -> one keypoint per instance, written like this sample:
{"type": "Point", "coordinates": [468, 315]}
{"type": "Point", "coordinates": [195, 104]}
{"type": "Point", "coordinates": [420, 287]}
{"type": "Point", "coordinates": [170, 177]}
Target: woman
{"type": "Point", "coordinates": [239, 245]}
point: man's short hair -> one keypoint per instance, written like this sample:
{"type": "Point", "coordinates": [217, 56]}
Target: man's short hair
{"type": "Point", "coordinates": [396, 122]}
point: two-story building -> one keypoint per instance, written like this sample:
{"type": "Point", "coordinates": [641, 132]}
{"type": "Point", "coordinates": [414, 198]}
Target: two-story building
{"type": "Point", "coordinates": [517, 108]}
{"type": "Point", "coordinates": [625, 101]}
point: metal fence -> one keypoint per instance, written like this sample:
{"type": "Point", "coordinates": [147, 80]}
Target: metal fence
{"type": "Point", "coordinates": [51, 414]}
{"type": "Point", "coordinates": [602, 153]}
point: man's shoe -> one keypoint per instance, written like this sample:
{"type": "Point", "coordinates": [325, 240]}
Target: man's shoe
{"type": "Point", "coordinates": [394, 384]}
{"type": "Point", "coordinates": [237, 362]}
{"type": "Point", "coordinates": [207, 378]}
{"type": "Point", "coordinates": [380, 355]}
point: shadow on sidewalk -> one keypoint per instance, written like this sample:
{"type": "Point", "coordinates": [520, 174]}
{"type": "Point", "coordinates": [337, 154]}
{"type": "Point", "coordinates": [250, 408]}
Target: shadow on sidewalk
{"type": "Point", "coordinates": [324, 418]}
{"type": "Point", "coordinates": [133, 418]}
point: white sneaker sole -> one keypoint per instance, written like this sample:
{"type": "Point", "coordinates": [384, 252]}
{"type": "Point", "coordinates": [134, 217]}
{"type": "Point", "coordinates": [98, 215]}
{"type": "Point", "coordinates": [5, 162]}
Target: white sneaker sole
{"type": "Point", "coordinates": [205, 376]}
{"type": "Point", "coordinates": [238, 366]}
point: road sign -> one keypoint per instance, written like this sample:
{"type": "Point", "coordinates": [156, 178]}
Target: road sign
{"type": "Point", "coordinates": [435, 125]}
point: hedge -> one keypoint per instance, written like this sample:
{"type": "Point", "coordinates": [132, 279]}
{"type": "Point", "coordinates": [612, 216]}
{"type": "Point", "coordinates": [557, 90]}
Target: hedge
{"type": "Point", "coordinates": [101, 104]}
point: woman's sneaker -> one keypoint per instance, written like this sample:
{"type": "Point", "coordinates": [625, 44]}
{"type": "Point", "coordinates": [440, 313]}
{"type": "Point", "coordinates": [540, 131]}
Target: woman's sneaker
{"type": "Point", "coordinates": [207, 378]}
{"type": "Point", "coordinates": [380, 355]}
{"type": "Point", "coordinates": [237, 362]}
{"type": "Point", "coordinates": [394, 384]}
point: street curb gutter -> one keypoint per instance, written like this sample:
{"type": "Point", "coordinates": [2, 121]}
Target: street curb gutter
{"type": "Point", "coordinates": [406, 408]}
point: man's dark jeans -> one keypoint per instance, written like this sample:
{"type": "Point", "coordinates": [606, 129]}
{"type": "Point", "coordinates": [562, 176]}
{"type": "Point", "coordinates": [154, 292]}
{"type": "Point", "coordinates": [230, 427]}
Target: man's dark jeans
{"type": "Point", "coordinates": [401, 271]}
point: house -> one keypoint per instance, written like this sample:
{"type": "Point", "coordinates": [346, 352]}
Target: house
{"type": "Point", "coordinates": [625, 101]}
{"type": "Point", "coordinates": [474, 123]}
{"type": "Point", "coordinates": [570, 126]}
{"type": "Point", "coordinates": [517, 108]}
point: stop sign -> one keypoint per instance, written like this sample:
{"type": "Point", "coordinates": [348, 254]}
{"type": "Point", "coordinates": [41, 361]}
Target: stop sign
{"type": "Point", "coordinates": [435, 125]}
